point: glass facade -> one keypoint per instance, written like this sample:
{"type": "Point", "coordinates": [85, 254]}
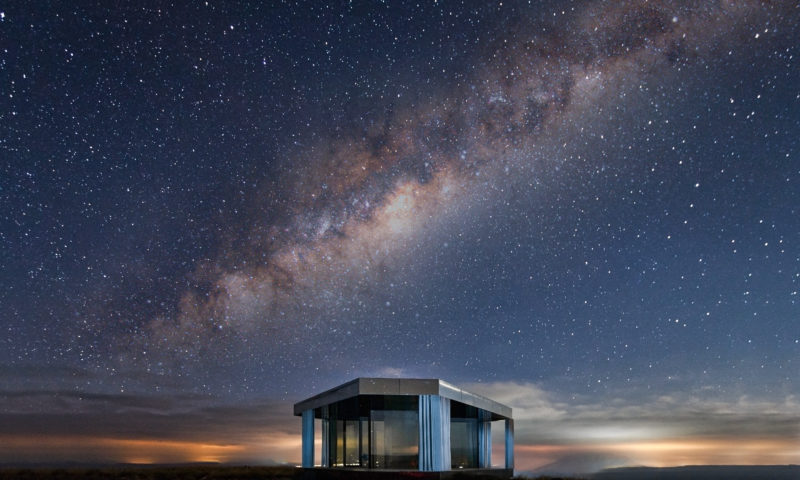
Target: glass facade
{"type": "Point", "coordinates": [463, 436]}
{"type": "Point", "coordinates": [395, 439]}
{"type": "Point", "coordinates": [383, 432]}
{"type": "Point", "coordinates": [373, 431]}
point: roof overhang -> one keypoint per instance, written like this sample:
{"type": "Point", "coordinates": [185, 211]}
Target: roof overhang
{"type": "Point", "coordinates": [403, 386]}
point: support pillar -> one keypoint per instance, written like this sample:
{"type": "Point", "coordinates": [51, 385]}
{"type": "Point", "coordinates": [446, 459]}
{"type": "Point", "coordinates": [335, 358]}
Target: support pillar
{"type": "Point", "coordinates": [509, 443]}
{"type": "Point", "coordinates": [308, 439]}
{"type": "Point", "coordinates": [434, 433]}
{"type": "Point", "coordinates": [484, 439]}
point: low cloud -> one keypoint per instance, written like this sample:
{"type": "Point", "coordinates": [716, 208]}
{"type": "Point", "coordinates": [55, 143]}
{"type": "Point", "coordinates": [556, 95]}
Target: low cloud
{"type": "Point", "coordinates": [543, 416]}
{"type": "Point", "coordinates": [529, 401]}
{"type": "Point", "coordinates": [557, 435]}
{"type": "Point", "coordinates": [113, 428]}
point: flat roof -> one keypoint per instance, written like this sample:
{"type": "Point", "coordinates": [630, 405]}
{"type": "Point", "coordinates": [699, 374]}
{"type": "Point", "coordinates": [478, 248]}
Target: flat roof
{"type": "Point", "coordinates": [403, 386]}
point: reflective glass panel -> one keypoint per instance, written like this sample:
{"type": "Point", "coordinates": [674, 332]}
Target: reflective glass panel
{"type": "Point", "coordinates": [352, 443]}
{"type": "Point", "coordinates": [463, 436]}
{"type": "Point", "coordinates": [395, 439]}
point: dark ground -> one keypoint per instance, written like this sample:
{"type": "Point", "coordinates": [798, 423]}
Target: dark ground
{"type": "Point", "coordinates": [152, 473]}
{"type": "Point", "coordinates": [205, 472]}
{"type": "Point", "coordinates": [723, 472]}
{"type": "Point", "coordinates": [183, 472]}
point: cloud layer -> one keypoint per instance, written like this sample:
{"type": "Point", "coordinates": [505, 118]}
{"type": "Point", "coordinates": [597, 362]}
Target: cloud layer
{"type": "Point", "coordinates": [677, 429]}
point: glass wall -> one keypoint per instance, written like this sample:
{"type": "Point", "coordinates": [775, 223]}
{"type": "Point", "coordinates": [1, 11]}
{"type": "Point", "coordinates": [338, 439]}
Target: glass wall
{"type": "Point", "coordinates": [353, 443]}
{"type": "Point", "coordinates": [463, 436]}
{"type": "Point", "coordinates": [377, 431]}
{"type": "Point", "coordinates": [395, 439]}
{"type": "Point", "coordinates": [374, 431]}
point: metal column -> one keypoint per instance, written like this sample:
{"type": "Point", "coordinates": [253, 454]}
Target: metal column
{"type": "Point", "coordinates": [484, 439]}
{"type": "Point", "coordinates": [509, 443]}
{"type": "Point", "coordinates": [434, 433]}
{"type": "Point", "coordinates": [308, 438]}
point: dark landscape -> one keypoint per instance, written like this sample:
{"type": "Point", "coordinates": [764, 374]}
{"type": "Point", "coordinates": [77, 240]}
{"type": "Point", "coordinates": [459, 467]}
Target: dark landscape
{"type": "Point", "coordinates": [217, 472]}
{"type": "Point", "coordinates": [183, 472]}
{"type": "Point", "coordinates": [703, 472]}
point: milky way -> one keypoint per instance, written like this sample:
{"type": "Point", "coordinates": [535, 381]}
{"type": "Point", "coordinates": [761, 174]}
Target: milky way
{"type": "Point", "coordinates": [355, 203]}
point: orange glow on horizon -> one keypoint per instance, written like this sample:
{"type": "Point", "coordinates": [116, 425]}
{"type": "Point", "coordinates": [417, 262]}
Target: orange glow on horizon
{"type": "Point", "coordinates": [139, 451]}
{"type": "Point", "coordinates": [286, 448]}
{"type": "Point", "coordinates": [144, 451]}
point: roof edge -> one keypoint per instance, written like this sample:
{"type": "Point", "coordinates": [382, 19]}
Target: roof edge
{"type": "Point", "coordinates": [402, 386]}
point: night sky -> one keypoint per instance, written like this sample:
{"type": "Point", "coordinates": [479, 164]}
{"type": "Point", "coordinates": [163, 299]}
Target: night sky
{"type": "Point", "coordinates": [587, 210]}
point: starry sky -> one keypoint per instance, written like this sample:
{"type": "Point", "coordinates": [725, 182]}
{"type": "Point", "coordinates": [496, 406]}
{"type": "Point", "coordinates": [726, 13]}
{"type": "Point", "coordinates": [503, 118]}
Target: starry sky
{"type": "Point", "coordinates": [587, 210]}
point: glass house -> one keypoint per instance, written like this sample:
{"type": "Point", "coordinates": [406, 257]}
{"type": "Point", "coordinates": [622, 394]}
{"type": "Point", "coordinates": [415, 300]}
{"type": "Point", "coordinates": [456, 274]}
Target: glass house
{"type": "Point", "coordinates": [424, 425]}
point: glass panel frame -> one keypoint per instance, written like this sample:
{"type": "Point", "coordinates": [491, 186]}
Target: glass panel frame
{"type": "Point", "coordinates": [374, 431]}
